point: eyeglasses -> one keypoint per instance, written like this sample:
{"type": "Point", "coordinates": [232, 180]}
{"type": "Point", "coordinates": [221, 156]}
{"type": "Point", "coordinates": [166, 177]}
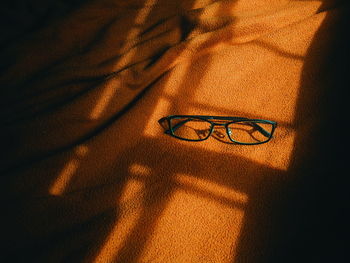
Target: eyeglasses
{"type": "Point", "coordinates": [239, 130]}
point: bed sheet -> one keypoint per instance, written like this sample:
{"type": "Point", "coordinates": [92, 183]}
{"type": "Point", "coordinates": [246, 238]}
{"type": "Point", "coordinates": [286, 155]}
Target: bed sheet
{"type": "Point", "coordinates": [88, 174]}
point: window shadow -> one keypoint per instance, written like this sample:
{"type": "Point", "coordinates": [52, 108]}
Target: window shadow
{"type": "Point", "coordinates": [50, 227]}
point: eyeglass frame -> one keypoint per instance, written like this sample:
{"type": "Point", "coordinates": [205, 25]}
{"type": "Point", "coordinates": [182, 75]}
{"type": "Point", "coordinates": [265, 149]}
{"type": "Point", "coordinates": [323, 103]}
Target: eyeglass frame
{"type": "Point", "coordinates": [208, 119]}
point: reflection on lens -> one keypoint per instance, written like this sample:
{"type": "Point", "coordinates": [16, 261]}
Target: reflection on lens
{"type": "Point", "coordinates": [250, 132]}
{"type": "Point", "coordinates": [190, 128]}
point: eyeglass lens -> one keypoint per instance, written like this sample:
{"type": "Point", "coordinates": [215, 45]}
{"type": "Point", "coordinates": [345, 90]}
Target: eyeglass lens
{"type": "Point", "coordinates": [190, 128]}
{"type": "Point", "coordinates": [250, 132]}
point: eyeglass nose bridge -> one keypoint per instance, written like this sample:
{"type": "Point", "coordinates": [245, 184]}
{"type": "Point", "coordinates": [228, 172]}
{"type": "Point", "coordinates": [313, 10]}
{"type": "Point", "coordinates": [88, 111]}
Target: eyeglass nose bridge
{"type": "Point", "coordinates": [221, 125]}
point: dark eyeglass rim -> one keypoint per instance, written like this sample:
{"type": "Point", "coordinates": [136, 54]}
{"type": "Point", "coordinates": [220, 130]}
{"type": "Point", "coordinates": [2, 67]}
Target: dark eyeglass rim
{"type": "Point", "coordinates": [212, 124]}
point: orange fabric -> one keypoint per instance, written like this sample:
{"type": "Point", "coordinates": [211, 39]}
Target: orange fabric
{"type": "Point", "coordinates": [90, 176]}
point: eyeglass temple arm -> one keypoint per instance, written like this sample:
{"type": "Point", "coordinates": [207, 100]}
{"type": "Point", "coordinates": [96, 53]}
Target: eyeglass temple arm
{"type": "Point", "coordinates": [261, 129]}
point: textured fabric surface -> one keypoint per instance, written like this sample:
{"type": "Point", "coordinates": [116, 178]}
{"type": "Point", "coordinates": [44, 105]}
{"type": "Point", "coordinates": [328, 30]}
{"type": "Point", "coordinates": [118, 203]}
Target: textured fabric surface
{"type": "Point", "coordinates": [88, 174]}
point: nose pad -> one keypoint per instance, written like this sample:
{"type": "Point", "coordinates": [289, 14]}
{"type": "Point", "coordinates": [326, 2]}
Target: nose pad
{"type": "Point", "coordinates": [203, 133]}
{"type": "Point", "coordinates": [219, 134]}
